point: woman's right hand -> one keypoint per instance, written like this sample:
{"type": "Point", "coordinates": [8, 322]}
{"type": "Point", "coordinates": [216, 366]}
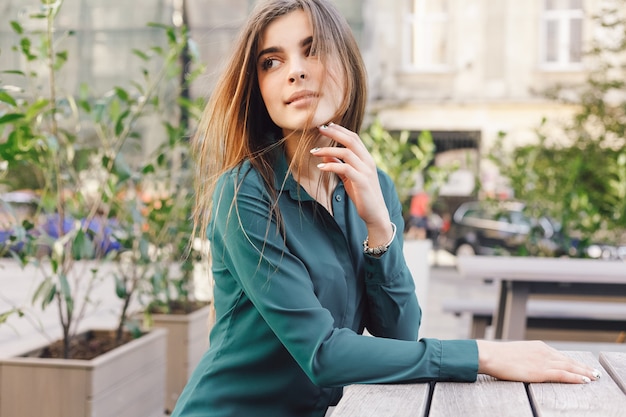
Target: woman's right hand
{"type": "Point", "coordinates": [531, 361]}
{"type": "Point", "coordinates": [355, 167]}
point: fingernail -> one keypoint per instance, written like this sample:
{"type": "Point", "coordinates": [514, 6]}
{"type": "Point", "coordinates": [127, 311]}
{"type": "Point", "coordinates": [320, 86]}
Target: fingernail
{"type": "Point", "coordinates": [596, 374]}
{"type": "Point", "coordinates": [322, 165]}
{"type": "Point", "coordinates": [315, 150]}
{"type": "Point", "coordinates": [586, 379]}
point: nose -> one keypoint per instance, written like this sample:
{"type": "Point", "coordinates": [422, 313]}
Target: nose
{"type": "Point", "coordinates": [297, 69]}
{"type": "Point", "coordinates": [297, 75]}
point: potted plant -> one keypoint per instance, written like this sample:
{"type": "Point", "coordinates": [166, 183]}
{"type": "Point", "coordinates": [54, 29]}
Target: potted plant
{"type": "Point", "coordinates": [75, 149]}
{"type": "Point", "coordinates": [160, 228]}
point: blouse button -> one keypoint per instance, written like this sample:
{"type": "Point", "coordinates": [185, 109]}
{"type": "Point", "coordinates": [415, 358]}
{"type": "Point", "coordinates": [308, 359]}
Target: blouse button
{"type": "Point", "coordinates": [338, 197]}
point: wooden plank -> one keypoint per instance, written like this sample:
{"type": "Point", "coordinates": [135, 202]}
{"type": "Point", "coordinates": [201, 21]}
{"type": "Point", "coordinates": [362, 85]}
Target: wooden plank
{"type": "Point", "coordinates": [512, 323]}
{"type": "Point", "coordinates": [45, 390]}
{"type": "Point", "coordinates": [527, 268]}
{"type": "Point", "coordinates": [574, 315]}
{"type": "Point", "coordinates": [593, 347]}
{"type": "Point", "coordinates": [598, 398]}
{"type": "Point", "coordinates": [545, 309]}
{"type": "Point", "coordinates": [615, 364]}
{"type": "Point", "coordinates": [485, 397]}
{"type": "Point", "coordinates": [394, 400]}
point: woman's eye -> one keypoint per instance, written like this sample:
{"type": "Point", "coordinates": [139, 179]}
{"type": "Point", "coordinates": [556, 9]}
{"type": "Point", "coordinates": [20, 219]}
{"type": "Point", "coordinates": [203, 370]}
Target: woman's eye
{"type": "Point", "coordinates": [310, 52]}
{"type": "Point", "coordinates": [269, 63]}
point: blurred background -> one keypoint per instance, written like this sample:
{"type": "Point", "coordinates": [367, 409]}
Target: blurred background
{"type": "Point", "coordinates": [485, 78]}
{"type": "Point", "coordinates": [505, 120]}
{"type": "Point", "coordinates": [465, 70]}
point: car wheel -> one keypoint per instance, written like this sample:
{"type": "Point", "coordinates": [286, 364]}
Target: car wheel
{"type": "Point", "coordinates": [465, 249]}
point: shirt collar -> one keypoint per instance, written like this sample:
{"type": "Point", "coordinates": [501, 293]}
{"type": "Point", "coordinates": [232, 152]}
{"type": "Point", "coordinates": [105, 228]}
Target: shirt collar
{"type": "Point", "coordinates": [284, 180]}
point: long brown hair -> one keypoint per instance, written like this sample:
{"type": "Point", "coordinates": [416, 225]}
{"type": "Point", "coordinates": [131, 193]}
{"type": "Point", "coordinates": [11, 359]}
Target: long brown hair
{"type": "Point", "coordinates": [236, 126]}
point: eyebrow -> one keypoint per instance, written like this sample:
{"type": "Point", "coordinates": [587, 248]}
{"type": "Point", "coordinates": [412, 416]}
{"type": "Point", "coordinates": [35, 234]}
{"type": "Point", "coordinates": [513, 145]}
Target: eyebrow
{"type": "Point", "coordinates": [273, 49]}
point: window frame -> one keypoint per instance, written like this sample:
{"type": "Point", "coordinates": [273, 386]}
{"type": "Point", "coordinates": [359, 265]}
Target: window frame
{"type": "Point", "coordinates": [411, 53]}
{"type": "Point", "coordinates": [563, 19]}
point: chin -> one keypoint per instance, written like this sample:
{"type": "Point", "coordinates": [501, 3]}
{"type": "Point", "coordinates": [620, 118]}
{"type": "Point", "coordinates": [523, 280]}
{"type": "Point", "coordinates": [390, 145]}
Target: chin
{"type": "Point", "coordinates": [304, 125]}
{"type": "Point", "coordinates": [299, 123]}
{"type": "Point", "coordinates": [323, 119]}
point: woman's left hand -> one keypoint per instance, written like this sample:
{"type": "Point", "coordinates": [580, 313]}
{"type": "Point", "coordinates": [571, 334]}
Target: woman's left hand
{"type": "Point", "coordinates": [531, 361]}
{"type": "Point", "coordinates": [356, 168]}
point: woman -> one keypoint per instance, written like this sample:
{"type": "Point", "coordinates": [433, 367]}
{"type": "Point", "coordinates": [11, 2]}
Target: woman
{"type": "Point", "coordinates": [305, 247]}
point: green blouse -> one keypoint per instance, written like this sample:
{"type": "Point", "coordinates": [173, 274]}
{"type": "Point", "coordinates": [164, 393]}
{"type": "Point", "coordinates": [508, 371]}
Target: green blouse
{"type": "Point", "coordinates": [291, 307]}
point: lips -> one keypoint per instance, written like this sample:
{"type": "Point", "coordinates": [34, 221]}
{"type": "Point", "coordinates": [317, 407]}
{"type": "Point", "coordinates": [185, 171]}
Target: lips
{"type": "Point", "coordinates": [301, 95]}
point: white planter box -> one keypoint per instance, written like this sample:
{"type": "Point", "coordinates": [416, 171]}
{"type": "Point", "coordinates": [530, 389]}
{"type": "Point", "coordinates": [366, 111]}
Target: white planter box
{"type": "Point", "coordinates": [416, 255]}
{"type": "Point", "coordinates": [187, 340]}
{"type": "Point", "coordinates": [127, 381]}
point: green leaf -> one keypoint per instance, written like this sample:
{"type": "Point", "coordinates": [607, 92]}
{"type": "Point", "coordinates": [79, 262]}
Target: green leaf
{"type": "Point", "coordinates": [99, 111]}
{"type": "Point", "coordinates": [4, 316]}
{"type": "Point", "coordinates": [138, 86]}
{"type": "Point", "coordinates": [148, 169]}
{"type": "Point", "coordinates": [157, 25]}
{"type": "Point", "coordinates": [114, 109]}
{"type": "Point", "coordinates": [120, 288]}
{"type": "Point", "coordinates": [10, 117]}
{"type": "Point", "coordinates": [144, 248]}
{"type": "Point", "coordinates": [46, 292]}
{"type": "Point", "coordinates": [83, 247]}
{"type": "Point", "coordinates": [119, 125]}
{"type": "Point", "coordinates": [171, 34]}
{"type": "Point", "coordinates": [17, 28]}
{"type": "Point", "coordinates": [85, 105]}
{"type": "Point", "coordinates": [61, 59]}
{"type": "Point", "coordinates": [25, 45]}
{"type": "Point", "coordinates": [36, 108]}
{"type": "Point", "coordinates": [122, 94]}
{"type": "Point", "coordinates": [6, 97]}
{"type": "Point", "coordinates": [134, 328]}
{"type": "Point", "coordinates": [141, 54]}
{"type": "Point", "coordinates": [66, 292]}
{"type": "Point", "coordinates": [13, 72]}
{"type": "Point", "coordinates": [121, 169]}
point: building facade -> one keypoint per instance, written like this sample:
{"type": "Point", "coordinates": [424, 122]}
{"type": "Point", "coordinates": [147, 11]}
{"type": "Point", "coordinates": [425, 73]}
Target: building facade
{"type": "Point", "coordinates": [471, 70]}
{"type": "Point", "coordinates": [466, 70]}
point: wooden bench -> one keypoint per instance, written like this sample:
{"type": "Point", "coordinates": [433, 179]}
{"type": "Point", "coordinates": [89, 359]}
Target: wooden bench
{"type": "Point", "coordinates": [546, 314]}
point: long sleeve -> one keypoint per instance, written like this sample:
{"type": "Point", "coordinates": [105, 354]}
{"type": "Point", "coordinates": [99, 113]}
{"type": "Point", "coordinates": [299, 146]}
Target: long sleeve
{"type": "Point", "coordinates": [291, 306]}
{"type": "Point", "coordinates": [394, 310]}
{"type": "Point", "coordinates": [279, 285]}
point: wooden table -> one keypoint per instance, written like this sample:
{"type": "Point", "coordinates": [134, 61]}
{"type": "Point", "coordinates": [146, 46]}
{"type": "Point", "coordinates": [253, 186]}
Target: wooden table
{"type": "Point", "coordinates": [521, 276]}
{"type": "Point", "coordinates": [490, 397]}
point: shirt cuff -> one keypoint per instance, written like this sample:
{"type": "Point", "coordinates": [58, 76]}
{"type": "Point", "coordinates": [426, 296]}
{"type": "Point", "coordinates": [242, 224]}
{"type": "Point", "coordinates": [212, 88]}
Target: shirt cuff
{"type": "Point", "coordinates": [459, 360]}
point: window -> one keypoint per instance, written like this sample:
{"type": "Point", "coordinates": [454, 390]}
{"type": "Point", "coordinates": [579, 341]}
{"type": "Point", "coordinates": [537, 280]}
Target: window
{"type": "Point", "coordinates": [561, 34]}
{"type": "Point", "coordinates": [427, 35]}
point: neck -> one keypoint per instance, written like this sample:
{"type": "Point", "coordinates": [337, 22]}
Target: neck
{"type": "Point", "coordinates": [297, 147]}
{"type": "Point", "coordinates": [304, 168]}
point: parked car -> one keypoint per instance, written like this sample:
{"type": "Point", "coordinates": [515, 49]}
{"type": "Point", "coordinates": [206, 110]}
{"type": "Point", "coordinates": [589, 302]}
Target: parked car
{"type": "Point", "coordinates": [501, 227]}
